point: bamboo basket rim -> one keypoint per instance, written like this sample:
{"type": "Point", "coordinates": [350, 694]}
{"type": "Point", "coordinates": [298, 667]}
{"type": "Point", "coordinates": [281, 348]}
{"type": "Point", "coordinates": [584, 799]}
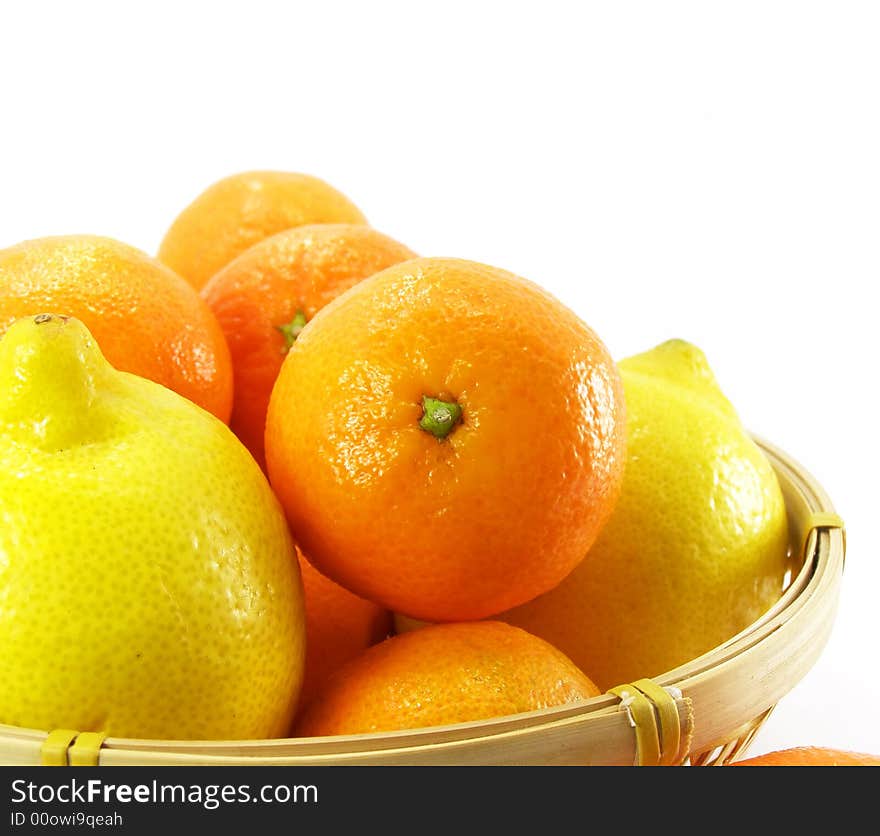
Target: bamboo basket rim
{"type": "Point", "coordinates": [718, 699]}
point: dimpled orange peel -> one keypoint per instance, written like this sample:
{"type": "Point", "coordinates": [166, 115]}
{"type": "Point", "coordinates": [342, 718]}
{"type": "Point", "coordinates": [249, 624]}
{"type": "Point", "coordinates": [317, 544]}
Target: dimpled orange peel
{"type": "Point", "coordinates": [447, 673]}
{"type": "Point", "coordinates": [447, 439]}
{"type": "Point", "coordinates": [339, 626]}
{"type": "Point", "coordinates": [146, 319]}
{"type": "Point", "coordinates": [696, 548]}
{"type": "Point", "coordinates": [236, 212]}
{"type": "Point", "coordinates": [265, 297]}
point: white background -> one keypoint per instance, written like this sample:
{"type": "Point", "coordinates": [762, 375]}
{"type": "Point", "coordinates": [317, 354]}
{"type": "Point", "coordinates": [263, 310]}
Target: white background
{"type": "Point", "coordinates": [709, 171]}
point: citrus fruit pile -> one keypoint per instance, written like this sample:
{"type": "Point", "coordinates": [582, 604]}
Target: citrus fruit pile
{"type": "Point", "coordinates": [290, 478]}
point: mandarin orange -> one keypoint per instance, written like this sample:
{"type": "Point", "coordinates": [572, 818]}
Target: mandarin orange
{"type": "Point", "coordinates": [147, 319]}
{"type": "Point", "coordinates": [237, 211]}
{"type": "Point", "coordinates": [444, 674]}
{"type": "Point", "coordinates": [697, 547]}
{"type": "Point", "coordinates": [811, 756]}
{"type": "Point", "coordinates": [447, 439]}
{"type": "Point", "coordinates": [339, 626]}
{"type": "Point", "coordinates": [264, 297]}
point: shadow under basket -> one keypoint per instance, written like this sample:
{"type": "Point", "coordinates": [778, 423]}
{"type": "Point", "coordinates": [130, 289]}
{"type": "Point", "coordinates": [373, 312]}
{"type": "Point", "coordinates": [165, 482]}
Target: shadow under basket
{"type": "Point", "coordinates": [705, 712]}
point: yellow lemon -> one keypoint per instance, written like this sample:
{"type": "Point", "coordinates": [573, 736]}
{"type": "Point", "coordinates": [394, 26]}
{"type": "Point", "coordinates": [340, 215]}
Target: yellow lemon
{"type": "Point", "coordinates": [148, 583]}
{"type": "Point", "coordinates": [697, 546]}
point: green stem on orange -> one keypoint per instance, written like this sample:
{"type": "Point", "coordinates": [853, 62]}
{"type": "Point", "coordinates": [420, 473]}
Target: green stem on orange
{"type": "Point", "coordinates": [439, 417]}
{"type": "Point", "coordinates": [291, 330]}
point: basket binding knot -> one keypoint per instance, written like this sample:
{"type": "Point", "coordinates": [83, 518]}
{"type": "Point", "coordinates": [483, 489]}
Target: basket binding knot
{"type": "Point", "coordinates": [66, 747]}
{"type": "Point", "coordinates": [663, 733]}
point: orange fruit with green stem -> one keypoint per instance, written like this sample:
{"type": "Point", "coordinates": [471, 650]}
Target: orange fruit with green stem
{"type": "Point", "coordinates": [447, 439]}
{"type": "Point", "coordinates": [236, 212]}
{"type": "Point", "coordinates": [697, 547]}
{"type": "Point", "coordinates": [265, 296]}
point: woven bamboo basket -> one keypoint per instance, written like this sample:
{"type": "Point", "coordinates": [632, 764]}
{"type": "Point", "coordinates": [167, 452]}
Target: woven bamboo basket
{"type": "Point", "coordinates": [705, 712]}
